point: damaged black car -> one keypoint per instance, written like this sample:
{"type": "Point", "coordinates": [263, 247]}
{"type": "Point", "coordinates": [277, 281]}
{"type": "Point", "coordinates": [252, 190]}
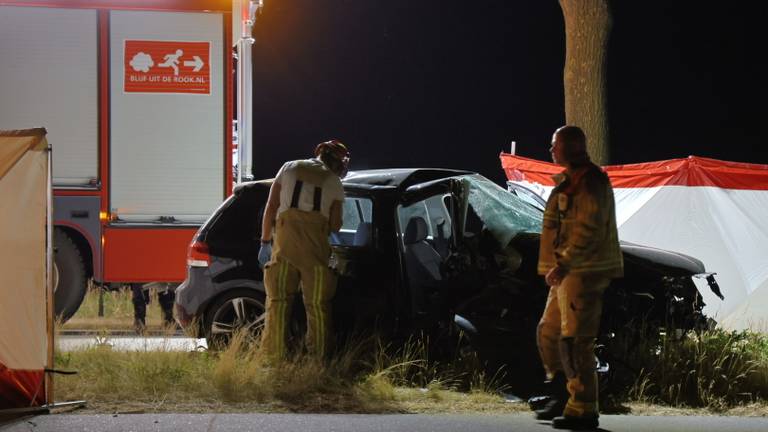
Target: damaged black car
{"type": "Point", "coordinates": [435, 252]}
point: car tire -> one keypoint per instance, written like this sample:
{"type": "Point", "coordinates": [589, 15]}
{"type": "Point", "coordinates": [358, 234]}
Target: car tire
{"type": "Point", "coordinates": [70, 282]}
{"type": "Point", "coordinates": [240, 308]}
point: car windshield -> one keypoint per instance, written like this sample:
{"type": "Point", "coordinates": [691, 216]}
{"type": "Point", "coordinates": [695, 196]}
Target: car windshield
{"type": "Point", "coordinates": [503, 214]}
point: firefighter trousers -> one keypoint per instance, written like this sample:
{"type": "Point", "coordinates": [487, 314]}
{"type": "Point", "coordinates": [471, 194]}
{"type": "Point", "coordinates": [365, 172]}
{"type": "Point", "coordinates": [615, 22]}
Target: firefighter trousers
{"type": "Point", "coordinates": [566, 338]}
{"type": "Point", "coordinates": [299, 258]}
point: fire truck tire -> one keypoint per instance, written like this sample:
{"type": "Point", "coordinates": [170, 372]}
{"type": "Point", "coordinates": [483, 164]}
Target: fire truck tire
{"type": "Point", "coordinates": [69, 281]}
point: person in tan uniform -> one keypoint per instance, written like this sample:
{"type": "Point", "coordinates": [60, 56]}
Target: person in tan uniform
{"type": "Point", "coordinates": [304, 207]}
{"type": "Point", "coordinates": [579, 255]}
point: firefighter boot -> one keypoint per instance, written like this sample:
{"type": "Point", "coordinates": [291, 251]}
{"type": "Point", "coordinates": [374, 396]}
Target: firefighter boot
{"type": "Point", "coordinates": [576, 423]}
{"type": "Point", "coordinates": [555, 403]}
{"type": "Point", "coordinates": [553, 389]}
{"type": "Point", "coordinates": [139, 298]}
{"type": "Point", "coordinates": [165, 298]}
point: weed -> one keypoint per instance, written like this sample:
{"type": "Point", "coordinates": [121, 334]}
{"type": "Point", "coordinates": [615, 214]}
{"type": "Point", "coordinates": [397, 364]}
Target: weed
{"type": "Point", "coordinates": [715, 369]}
{"type": "Point", "coordinates": [366, 375]}
{"type": "Point", "coordinates": [117, 308]}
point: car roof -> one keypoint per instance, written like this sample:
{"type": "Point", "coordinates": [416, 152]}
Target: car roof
{"type": "Point", "coordinates": [388, 178]}
{"type": "Point", "coordinates": [398, 177]}
{"type": "Point", "coordinates": [252, 184]}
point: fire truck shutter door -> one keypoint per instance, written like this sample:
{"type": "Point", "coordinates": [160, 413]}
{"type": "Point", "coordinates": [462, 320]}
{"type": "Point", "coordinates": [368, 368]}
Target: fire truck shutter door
{"type": "Point", "coordinates": [167, 115]}
{"type": "Point", "coordinates": [49, 77]}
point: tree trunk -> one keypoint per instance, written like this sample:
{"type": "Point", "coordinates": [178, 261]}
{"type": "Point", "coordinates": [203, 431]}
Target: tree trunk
{"type": "Point", "coordinates": [587, 26]}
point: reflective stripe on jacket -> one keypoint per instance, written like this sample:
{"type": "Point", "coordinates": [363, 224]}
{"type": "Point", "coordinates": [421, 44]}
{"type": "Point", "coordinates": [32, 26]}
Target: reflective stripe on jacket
{"type": "Point", "coordinates": [579, 228]}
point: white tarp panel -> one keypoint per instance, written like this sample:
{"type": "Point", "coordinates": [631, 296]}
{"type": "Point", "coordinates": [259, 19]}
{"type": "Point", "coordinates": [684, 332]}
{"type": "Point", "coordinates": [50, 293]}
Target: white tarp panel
{"type": "Point", "coordinates": [166, 149]}
{"type": "Point", "coordinates": [712, 210]}
{"type": "Point", "coordinates": [725, 229]}
{"type": "Point", "coordinates": [23, 288]}
{"type": "Point", "coordinates": [49, 77]}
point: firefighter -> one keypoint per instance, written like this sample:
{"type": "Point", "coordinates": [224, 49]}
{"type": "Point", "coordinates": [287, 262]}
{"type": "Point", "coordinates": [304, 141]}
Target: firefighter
{"type": "Point", "coordinates": [579, 255]}
{"type": "Point", "coordinates": [304, 207]}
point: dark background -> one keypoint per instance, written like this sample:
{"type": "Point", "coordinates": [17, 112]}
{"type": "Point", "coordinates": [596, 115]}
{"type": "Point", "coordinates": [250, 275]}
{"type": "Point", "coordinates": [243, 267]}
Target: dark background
{"type": "Point", "coordinates": [444, 83]}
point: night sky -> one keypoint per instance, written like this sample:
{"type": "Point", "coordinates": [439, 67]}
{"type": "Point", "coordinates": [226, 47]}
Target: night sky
{"type": "Point", "coordinates": [443, 83]}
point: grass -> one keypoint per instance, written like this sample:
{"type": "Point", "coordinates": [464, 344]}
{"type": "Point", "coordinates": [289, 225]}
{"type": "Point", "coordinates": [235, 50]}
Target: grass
{"type": "Point", "coordinates": [117, 311]}
{"type": "Point", "coordinates": [367, 377]}
{"type": "Point", "coordinates": [716, 372]}
{"type": "Point", "coordinates": [712, 373]}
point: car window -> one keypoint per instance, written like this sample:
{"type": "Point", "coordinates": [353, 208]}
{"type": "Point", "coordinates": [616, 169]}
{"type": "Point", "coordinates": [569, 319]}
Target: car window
{"type": "Point", "coordinates": [357, 219]}
{"type": "Point", "coordinates": [235, 227]}
{"type": "Point", "coordinates": [501, 212]}
{"type": "Point", "coordinates": [527, 195]}
{"type": "Point", "coordinates": [436, 217]}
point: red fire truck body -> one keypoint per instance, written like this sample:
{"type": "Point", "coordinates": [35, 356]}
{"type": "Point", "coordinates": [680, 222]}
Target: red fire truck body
{"type": "Point", "coordinates": [137, 98]}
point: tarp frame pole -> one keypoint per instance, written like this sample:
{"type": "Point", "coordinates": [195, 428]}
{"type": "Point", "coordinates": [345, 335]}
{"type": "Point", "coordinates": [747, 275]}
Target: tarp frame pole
{"type": "Point", "coordinates": [50, 319]}
{"type": "Point", "coordinates": [45, 409]}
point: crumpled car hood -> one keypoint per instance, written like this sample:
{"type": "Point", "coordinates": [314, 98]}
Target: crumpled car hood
{"type": "Point", "coordinates": [663, 257]}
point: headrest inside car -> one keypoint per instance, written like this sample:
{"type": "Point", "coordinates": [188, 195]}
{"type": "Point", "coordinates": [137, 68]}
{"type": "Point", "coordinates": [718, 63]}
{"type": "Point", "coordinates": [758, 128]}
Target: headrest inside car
{"type": "Point", "coordinates": [363, 234]}
{"type": "Point", "coordinates": [416, 230]}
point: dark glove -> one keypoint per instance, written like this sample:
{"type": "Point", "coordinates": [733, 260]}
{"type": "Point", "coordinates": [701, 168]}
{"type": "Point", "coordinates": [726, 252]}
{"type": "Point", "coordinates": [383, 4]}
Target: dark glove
{"type": "Point", "coordinates": [265, 253]}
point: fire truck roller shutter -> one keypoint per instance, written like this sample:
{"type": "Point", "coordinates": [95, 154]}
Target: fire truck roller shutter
{"type": "Point", "coordinates": [167, 125]}
{"type": "Point", "coordinates": [49, 78]}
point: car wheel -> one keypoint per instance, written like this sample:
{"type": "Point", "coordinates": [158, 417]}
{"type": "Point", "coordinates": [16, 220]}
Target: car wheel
{"type": "Point", "coordinates": [235, 310]}
{"type": "Point", "coordinates": [69, 281]}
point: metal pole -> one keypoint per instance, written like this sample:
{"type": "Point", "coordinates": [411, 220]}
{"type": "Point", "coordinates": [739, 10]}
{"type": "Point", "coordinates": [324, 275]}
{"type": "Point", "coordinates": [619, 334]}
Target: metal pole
{"type": "Point", "coordinates": [49, 277]}
{"type": "Point", "coordinates": [44, 408]}
{"type": "Point", "coordinates": [247, 15]}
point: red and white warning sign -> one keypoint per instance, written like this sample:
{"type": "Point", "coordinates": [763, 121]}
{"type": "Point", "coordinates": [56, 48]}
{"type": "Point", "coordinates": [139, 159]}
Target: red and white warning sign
{"type": "Point", "coordinates": [167, 67]}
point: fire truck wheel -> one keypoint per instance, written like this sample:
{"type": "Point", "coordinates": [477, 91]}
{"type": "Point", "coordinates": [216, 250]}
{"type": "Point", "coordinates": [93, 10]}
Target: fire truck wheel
{"type": "Point", "coordinates": [69, 281]}
{"type": "Point", "coordinates": [238, 309]}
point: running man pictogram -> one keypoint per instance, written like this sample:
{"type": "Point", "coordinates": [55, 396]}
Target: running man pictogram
{"type": "Point", "coordinates": [172, 60]}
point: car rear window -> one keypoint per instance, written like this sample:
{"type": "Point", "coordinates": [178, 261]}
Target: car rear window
{"type": "Point", "coordinates": [234, 229]}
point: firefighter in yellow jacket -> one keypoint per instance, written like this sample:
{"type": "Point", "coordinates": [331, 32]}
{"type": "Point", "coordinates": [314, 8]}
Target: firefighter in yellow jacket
{"type": "Point", "coordinates": [579, 255]}
{"type": "Point", "coordinates": [304, 206]}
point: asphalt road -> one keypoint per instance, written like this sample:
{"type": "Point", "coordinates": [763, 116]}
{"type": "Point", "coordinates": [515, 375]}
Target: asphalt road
{"type": "Point", "coordinates": [365, 423]}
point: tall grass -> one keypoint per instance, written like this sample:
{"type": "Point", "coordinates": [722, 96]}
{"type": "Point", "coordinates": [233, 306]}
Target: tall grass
{"type": "Point", "coordinates": [365, 376]}
{"type": "Point", "coordinates": [117, 309]}
{"type": "Point", "coordinates": [411, 365]}
{"type": "Point", "coordinates": [715, 369]}
{"type": "Point", "coordinates": [117, 303]}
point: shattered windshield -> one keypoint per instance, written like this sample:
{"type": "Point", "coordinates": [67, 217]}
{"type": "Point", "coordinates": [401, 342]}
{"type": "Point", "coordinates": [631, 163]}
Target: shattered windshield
{"type": "Point", "coordinates": [502, 213]}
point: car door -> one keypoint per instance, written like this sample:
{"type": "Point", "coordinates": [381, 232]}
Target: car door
{"type": "Point", "coordinates": [364, 268]}
{"type": "Point", "coordinates": [428, 217]}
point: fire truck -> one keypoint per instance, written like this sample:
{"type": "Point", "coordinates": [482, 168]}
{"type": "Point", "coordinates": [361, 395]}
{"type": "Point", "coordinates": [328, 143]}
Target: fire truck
{"type": "Point", "coordinates": [138, 98]}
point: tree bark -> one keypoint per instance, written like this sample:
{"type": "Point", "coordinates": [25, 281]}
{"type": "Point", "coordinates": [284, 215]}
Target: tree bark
{"type": "Point", "coordinates": [587, 27]}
